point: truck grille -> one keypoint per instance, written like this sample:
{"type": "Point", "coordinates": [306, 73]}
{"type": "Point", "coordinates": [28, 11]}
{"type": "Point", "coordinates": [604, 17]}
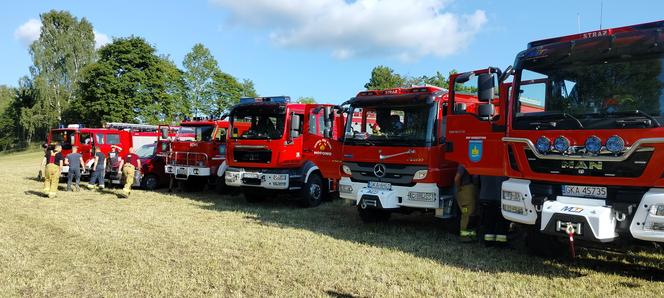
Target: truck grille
{"type": "Point", "coordinates": [257, 156]}
{"type": "Point", "coordinates": [632, 167]}
{"type": "Point", "coordinates": [395, 174]}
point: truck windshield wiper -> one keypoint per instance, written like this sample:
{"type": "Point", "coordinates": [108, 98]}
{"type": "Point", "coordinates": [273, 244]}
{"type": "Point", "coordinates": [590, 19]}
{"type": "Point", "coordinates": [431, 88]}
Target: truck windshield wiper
{"type": "Point", "coordinates": [635, 113]}
{"type": "Point", "coordinates": [551, 119]}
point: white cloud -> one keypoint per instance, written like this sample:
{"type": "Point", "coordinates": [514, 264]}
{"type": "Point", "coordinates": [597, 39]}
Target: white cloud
{"type": "Point", "coordinates": [408, 30]}
{"type": "Point", "coordinates": [101, 39]}
{"type": "Point", "coordinates": [28, 32]}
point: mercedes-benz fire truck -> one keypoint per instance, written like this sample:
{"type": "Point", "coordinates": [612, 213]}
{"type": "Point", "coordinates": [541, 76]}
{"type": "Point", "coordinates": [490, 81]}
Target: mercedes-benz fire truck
{"type": "Point", "coordinates": [587, 164]}
{"type": "Point", "coordinates": [197, 153]}
{"type": "Point", "coordinates": [288, 147]}
{"type": "Point", "coordinates": [394, 152]}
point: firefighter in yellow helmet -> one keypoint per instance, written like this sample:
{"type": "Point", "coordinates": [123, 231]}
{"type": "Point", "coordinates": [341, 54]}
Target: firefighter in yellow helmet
{"type": "Point", "coordinates": [132, 164]}
{"type": "Point", "coordinates": [53, 160]}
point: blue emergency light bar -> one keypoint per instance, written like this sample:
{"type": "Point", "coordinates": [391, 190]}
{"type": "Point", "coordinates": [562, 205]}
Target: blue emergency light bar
{"type": "Point", "coordinates": [275, 99]}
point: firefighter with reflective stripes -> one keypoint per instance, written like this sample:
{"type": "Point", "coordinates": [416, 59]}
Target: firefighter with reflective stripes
{"type": "Point", "coordinates": [53, 160]}
{"type": "Point", "coordinates": [466, 199]}
{"type": "Point", "coordinates": [129, 169]}
{"type": "Point", "coordinates": [495, 227]}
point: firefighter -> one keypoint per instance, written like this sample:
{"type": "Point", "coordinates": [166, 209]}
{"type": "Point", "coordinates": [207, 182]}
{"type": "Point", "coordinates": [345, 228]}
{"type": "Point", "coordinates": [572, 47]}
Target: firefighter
{"type": "Point", "coordinates": [129, 170]}
{"type": "Point", "coordinates": [466, 199]}
{"type": "Point", "coordinates": [75, 162]}
{"type": "Point", "coordinates": [115, 163]}
{"type": "Point", "coordinates": [99, 169]}
{"type": "Point", "coordinates": [53, 160]}
{"type": "Point", "coordinates": [495, 227]}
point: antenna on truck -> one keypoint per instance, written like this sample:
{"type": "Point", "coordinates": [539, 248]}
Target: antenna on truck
{"type": "Point", "coordinates": [601, 13]}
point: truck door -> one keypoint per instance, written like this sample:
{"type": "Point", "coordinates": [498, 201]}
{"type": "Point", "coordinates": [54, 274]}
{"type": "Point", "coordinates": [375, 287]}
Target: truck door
{"type": "Point", "coordinates": [322, 143]}
{"type": "Point", "coordinates": [476, 122]}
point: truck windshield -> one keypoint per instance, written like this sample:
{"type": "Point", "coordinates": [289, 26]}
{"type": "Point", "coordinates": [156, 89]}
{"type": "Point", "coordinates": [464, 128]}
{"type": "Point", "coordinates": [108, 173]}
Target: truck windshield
{"type": "Point", "coordinates": [261, 126]}
{"type": "Point", "coordinates": [195, 133]}
{"type": "Point", "coordinates": [410, 125]}
{"type": "Point", "coordinates": [623, 92]}
{"type": "Point", "coordinates": [64, 137]}
{"type": "Point", "coordinates": [146, 151]}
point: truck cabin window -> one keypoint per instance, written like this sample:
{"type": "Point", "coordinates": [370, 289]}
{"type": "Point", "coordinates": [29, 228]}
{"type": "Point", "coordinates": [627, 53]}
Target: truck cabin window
{"type": "Point", "coordinates": [63, 137]}
{"type": "Point", "coordinates": [619, 93]}
{"type": "Point", "coordinates": [195, 133]}
{"type": "Point", "coordinates": [261, 126]}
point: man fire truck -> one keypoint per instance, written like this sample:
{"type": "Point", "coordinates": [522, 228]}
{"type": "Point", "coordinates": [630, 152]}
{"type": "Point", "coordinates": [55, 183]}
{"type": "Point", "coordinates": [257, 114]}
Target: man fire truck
{"type": "Point", "coordinates": [196, 155]}
{"type": "Point", "coordinates": [290, 147]}
{"type": "Point", "coordinates": [587, 166]}
{"type": "Point", "coordinates": [394, 152]}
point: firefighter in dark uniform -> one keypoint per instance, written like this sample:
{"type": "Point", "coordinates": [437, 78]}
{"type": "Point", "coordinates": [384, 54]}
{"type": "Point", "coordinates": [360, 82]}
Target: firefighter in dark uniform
{"type": "Point", "coordinates": [495, 227]}
{"type": "Point", "coordinates": [54, 161]}
{"type": "Point", "coordinates": [129, 169]}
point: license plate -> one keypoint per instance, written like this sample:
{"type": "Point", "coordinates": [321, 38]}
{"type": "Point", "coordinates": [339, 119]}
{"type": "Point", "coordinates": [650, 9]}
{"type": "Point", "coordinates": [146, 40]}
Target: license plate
{"type": "Point", "coordinates": [380, 185]}
{"type": "Point", "coordinates": [182, 171]}
{"type": "Point", "coordinates": [585, 191]}
{"type": "Point", "coordinates": [250, 175]}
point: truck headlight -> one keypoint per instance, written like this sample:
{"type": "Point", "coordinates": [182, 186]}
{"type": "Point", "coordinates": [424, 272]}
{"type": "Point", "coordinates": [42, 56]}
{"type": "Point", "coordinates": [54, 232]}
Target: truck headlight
{"type": "Point", "coordinates": [280, 177]}
{"type": "Point", "coordinates": [346, 170]}
{"type": "Point", "coordinates": [421, 174]}
{"type": "Point", "coordinates": [345, 188]}
{"type": "Point", "coordinates": [513, 209]}
{"type": "Point", "coordinates": [512, 196]}
{"type": "Point", "coordinates": [421, 196]}
{"type": "Point", "coordinates": [657, 210]}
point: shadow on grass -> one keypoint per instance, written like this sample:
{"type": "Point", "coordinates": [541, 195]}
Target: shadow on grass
{"type": "Point", "coordinates": [36, 193]}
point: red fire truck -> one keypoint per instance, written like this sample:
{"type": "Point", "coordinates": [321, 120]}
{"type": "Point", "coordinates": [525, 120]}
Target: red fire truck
{"type": "Point", "coordinates": [394, 154]}
{"type": "Point", "coordinates": [197, 153]}
{"type": "Point", "coordinates": [588, 165]}
{"type": "Point", "coordinates": [290, 147]}
{"type": "Point", "coordinates": [122, 135]}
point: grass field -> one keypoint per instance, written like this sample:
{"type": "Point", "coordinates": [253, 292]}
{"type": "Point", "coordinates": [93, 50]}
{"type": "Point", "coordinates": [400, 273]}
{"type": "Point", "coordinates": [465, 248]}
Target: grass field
{"type": "Point", "coordinates": [202, 244]}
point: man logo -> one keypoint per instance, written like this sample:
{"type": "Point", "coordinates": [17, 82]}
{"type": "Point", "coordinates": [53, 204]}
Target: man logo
{"type": "Point", "coordinates": [571, 209]}
{"type": "Point", "coordinates": [379, 170]}
{"type": "Point", "coordinates": [582, 165]}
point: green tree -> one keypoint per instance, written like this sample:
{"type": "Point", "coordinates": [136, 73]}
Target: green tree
{"type": "Point", "coordinates": [227, 92]}
{"type": "Point", "coordinates": [200, 71]}
{"type": "Point", "coordinates": [65, 46]}
{"type": "Point", "coordinates": [130, 83]}
{"type": "Point", "coordinates": [383, 77]}
{"type": "Point", "coordinates": [306, 99]}
{"type": "Point", "coordinates": [248, 89]}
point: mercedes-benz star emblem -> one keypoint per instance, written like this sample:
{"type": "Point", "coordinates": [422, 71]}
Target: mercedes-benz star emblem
{"type": "Point", "coordinates": [379, 170]}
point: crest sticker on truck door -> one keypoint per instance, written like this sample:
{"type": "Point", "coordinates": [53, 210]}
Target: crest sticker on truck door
{"type": "Point", "coordinates": [475, 150]}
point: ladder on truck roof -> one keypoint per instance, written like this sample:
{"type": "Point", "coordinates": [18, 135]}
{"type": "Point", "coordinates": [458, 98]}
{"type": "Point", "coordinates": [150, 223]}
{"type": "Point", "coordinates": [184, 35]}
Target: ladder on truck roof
{"type": "Point", "coordinates": [132, 127]}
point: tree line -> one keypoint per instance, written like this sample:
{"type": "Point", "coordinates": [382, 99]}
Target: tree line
{"type": "Point", "coordinates": [126, 80]}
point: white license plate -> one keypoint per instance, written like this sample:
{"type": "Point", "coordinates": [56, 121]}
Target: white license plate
{"type": "Point", "coordinates": [250, 175]}
{"type": "Point", "coordinates": [585, 191]}
{"type": "Point", "coordinates": [380, 185]}
{"type": "Point", "coordinates": [182, 171]}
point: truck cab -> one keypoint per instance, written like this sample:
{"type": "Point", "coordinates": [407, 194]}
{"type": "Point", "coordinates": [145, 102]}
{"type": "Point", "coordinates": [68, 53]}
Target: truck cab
{"type": "Point", "coordinates": [286, 147]}
{"type": "Point", "coordinates": [583, 141]}
{"type": "Point", "coordinates": [196, 154]}
{"type": "Point", "coordinates": [394, 154]}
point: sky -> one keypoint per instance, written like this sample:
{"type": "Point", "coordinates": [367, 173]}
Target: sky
{"type": "Point", "coordinates": [324, 48]}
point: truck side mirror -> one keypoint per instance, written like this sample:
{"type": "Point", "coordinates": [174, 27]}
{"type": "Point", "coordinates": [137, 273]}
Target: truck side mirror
{"type": "Point", "coordinates": [164, 133]}
{"type": "Point", "coordinates": [486, 111]}
{"type": "Point", "coordinates": [485, 86]}
{"type": "Point", "coordinates": [295, 126]}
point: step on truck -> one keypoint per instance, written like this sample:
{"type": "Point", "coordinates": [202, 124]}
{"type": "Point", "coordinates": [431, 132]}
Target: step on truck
{"type": "Point", "coordinates": [586, 165]}
{"type": "Point", "coordinates": [394, 154]}
{"type": "Point", "coordinates": [196, 155]}
{"type": "Point", "coordinates": [288, 147]}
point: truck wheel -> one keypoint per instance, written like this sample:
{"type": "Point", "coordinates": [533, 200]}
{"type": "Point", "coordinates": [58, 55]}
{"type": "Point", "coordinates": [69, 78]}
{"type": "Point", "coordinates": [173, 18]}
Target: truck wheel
{"type": "Point", "coordinates": [545, 246]}
{"type": "Point", "coordinates": [150, 182]}
{"type": "Point", "coordinates": [371, 215]}
{"type": "Point", "coordinates": [253, 195]}
{"type": "Point", "coordinates": [312, 192]}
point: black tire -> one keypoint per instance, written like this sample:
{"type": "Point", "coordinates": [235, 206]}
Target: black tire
{"type": "Point", "coordinates": [545, 246]}
{"type": "Point", "coordinates": [253, 195]}
{"type": "Point", "coordinates": [372, 215]}
{"type": "Point", "coordinates": [150, 182]}
{"type": "Point", "coordinates": [220, 186]}
{"type": "Point", "coordinates": [312, 193]}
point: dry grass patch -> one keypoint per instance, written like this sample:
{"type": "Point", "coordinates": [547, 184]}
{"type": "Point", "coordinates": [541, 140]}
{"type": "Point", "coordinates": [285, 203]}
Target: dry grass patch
{"type": "Point", "coordinates": [202, 244]}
